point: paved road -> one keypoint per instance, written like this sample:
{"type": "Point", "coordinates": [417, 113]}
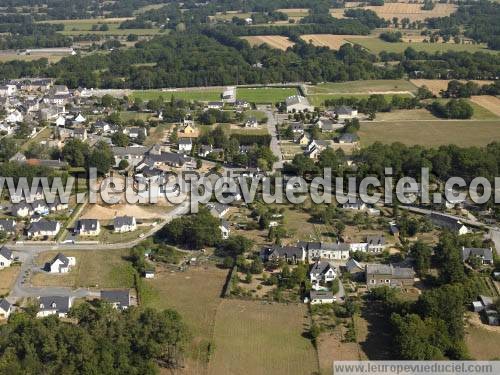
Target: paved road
{"type": "Point", "coordinates": [28, 252]}
{"type": "Point", "coordinates": [275, 145]}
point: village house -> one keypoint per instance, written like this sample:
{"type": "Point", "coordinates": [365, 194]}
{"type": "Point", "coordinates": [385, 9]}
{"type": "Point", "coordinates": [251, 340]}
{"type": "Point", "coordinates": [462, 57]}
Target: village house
{"type": "Point", "coordinates": [132, 154]}
{"type": "Point", "coordinates": [321, 273]}
{"type": "Point", "coordinates": [80, 134]}
{"type": "Point", "coordinates": [6, 257]}
{"type": "Point", "coordinates": [357, 205]}
{"type": "Point", "coordinates": [8, 226]}
{"type": "Point", "coordinates": [218, 209]}
{"type": "Point", "coordinates": [43, 228]}
{"type": "Point", "coordinates": [297, 127]}
{"type": "Point", "coordinates": [327, 125]}
{"type": "Point", "coordinates": [5, 308]}
{"type": "Point", "coordinates": [354, 268]}
{"type": "Point", "coordinates": [119, 299]}
{"type": "Point", "coordinates": [54, 305]}
{"type": "Point", "coordinates": [348, 139]}
{"type": "Point", "coordinates": [304, 139]}
{"type": "Point", "coordinates": [57, 205]}
{"type": "Point", "coordinates": [88, 227]}
{"type": "Point", "coordinates": [388, 274]}
{"type": "Point", "coordinates": [61, 264]}
{"type": "Point", "coordinates": [345, 113]}
{"type": "Point", "coordinates": [215, 105]}
{"type": "Point", "coordinates": [229, 95]}
{"type": "Point", "coordinates": [448, 222]}
{"type": "Point", "coordinates": [251, 122]}
{"type": "Point", "coordinates": [225, 229]}
{"type": "Point", "coordinates": [135, 132]}
{"type": "Point", "coordinates": [21, 209]}
{"type": "Point", "coordinates": [321, 297]}
{"type": "Point", "coordinates": [290, 254]}
{"type": "Point", "coordinates": [298, 103]}
{"type": "Point", "coordinates": [485, 255]}
{"type": "Point", "coordinates": [8, 90]}
{"type": "Point", "coordinates": [185, 145]}
{"type": "Point", "coordinates": [122, 224]}
{"type": "Point", "coordinates": [375, 244]}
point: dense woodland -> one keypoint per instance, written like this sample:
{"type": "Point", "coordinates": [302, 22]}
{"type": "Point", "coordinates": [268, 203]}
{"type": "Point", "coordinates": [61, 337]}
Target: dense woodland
{"type": "Point", "coordinates": [100, 339]}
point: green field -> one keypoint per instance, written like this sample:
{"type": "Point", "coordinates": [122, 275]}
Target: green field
{"type": "Point", "coordinates": [431, 133]}
{"type": "Point", "coordinates": [256, 338]}
{"type": "Point", "coordinates": [194, 95]}
{"type": "Point", "coordinates": [265, 94]}
{"type": "Point", "coordinates": [377, 85]}
{"type": "Point", "coordinates": [84, 26]}
{"type": "Point", "coordinates": [480, 113]}
{"type": "Point", "coordinates": [377, 45]}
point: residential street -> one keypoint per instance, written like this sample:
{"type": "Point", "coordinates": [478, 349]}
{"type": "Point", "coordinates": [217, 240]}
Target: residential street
{"type": "Point", "coordinates": [271, 128]}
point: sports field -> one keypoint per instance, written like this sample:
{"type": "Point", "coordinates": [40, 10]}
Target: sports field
{"type": "Point", "coordinates": [265, 94]}
{"type": "Point", "coordinates": [259, 338]}
{"type": "Point", "coordinates": [431, 133]}
{"type": "Point", "coordinates": [273, 41]}
{"type": "Point", "coordinates": [209, 94]}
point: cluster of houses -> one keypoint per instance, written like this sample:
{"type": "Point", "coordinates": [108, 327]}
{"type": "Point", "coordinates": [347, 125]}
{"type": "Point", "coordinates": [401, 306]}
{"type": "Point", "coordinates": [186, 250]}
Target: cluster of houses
{"type": "Point", "coordinates": [92, 227]}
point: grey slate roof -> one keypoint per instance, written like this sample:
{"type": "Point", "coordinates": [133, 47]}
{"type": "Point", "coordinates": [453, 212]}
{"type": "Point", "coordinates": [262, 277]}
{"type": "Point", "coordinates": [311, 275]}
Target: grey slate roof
{"type": "Point", "coordinates": [320, 294]}
{"type": "Point", "coordinates": [7, 225]}
{"type": "Point", "coordinates": [63, 258]}
{"type": "Point", "coordinates": [4, 304]}
{"type": "Point", "coordinates": [389, 269]}
{"type": "Point", "coordinates": [320, 268]}
{"type": "Point", "coordinates": [6, 252]}
{"type": "Point", "coordinates": [485, 254]}
{"type": "Point", "coordinates": [87, 224]}
{"type": "Point", "coordinates": [43, 225]}
{"type": "Point", "coordinates": [121, 297]}
{"type": "Point", "coordinates": [136, 150]}
{"type": "Point", "coordinates": [60, 304]}
{"type": "Point", "coordinates": [353, 265]}
{"type": "Point", "coordinates": [121, 221]}
{"type": "Point", "coordinates": [375, 240]}
{"type": "Point", "coordinates": [343, 110]}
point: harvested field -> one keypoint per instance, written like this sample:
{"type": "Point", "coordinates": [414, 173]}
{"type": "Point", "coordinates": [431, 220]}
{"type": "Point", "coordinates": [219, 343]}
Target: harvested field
{"type": "Point", "coordinates": [368, 87]}
{"type": "Point", "coordinates": [491, 103]}
{"type": "Point", "coordinates": [411, 11]}
{"type": "Point", "coordinates": [431, 133]}
{"type": "Point", "coordinates": [273, 41]}
{"type": "Point", "coordinates": [436, 85]}
{"type": "Point", "coordinates": [328, 40]}
{"type": "Point", "coordinates": [257, 338]}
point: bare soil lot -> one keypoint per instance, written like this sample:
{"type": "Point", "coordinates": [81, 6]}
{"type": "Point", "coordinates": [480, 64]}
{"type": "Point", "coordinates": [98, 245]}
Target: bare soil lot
{"type": "Point", "coordinates": [273, 41]}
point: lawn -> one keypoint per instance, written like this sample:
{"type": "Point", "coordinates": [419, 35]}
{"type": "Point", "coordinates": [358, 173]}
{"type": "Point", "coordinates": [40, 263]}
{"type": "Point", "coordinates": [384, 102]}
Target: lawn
{"type": "Point", "coordinates": [7, 278]}
{"type": "Point", "coordinates": [377, 85]}
{"type": "Point", "coordinates": [265, 94]}
{"type": "Point", "coordinates": [406, 115]}
{"type": "Point", "coordinates": [194, 95]}
{"type": "Point", "coordinates": [95, 269]}
{"type": "Point", "coordinates": [42, 135]}
{"type": "Point", "coordinates": [482, 341]}
{"type": "Point", "coordinates": [257, 338]}
{"type": "Point", "coordinates": [377, 45]}
{"type": "Point", "coordinates": [431, 133]}
{"type": "Point", "coordinates": [195, 294]}
{"type": "Point", "coordinates": [53, 58]}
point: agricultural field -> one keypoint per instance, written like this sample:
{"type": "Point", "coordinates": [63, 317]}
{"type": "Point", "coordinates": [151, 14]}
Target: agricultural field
{"type": "Point", "coordinates": [406, 115]}
{"type": "Point", "coordinates": [262, 95]}
{"type": "Point", "coordinates": [319, 99]}
{"type": "Point", "coordinates": [376, 45]}
{"type": "Point", "coordinates": [436, 85]}
{"type": "Point", "coordinates": [273, 41]}
{"type": "Point", "coordinates": [295, 12]}
{"type": "Point", "coordinates": [12, 55]}
{"type": "Point", "coordinates": [209, 94]}
{"type": "Point", "coordinates": [84, 26]}
{"type": "Point", "coordinates": [328, 40]}
{"type": "Point", "coordinates": [255, 338]}
{"type": "Point", "coordinates": [491, 103]}
{"type": "Point", "coordinates": [411, 11]}
{"type": "Point", "coordinates": [363, 87]}
{"type": "Point", "coordinates": [431, 133]}
{"type": "Point", "coordinates": [94, 269]}
{"type": "Point", "coordinates": [195, 294]}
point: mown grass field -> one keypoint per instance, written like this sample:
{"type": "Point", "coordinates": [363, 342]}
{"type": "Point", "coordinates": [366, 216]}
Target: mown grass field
{"type": "Point", "coordinates": [482, 342]}
{"type": "Point", "coordinates": [195, 294]}
{"type": "Point", "coordinates": [255, 338]}
{"type": "Point", "coordinates": [431, 133]}
{"type": "Point", "coordinates": [84, 26]}
{"type": "Point", "coordinates": [194, 95]}
{"type": "Point", "coordinates": [94, 269]}
{"type": "Point", "coordinates": [377, 45]}
{"type": "Point", "coordinates": [265, 95]}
